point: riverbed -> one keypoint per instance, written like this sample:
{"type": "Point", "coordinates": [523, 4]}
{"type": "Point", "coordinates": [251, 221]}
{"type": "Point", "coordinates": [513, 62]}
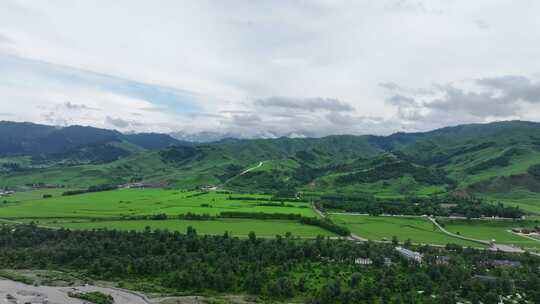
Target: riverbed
{"type": "Point", "coordinates": [18, 293]}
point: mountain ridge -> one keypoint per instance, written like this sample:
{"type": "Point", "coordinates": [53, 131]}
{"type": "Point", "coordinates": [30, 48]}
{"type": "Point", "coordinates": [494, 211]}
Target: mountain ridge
{"type": "Point", "coordinates": [496, 159]}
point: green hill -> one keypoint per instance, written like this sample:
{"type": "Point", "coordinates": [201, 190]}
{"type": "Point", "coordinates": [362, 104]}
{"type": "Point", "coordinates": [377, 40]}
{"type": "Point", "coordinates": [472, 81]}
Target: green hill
{"type": "Point", "coordinates": [497, 160]}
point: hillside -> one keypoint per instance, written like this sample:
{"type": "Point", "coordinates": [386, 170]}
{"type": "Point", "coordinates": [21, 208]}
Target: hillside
{"type": "Point", "coordinates": [497, 160]}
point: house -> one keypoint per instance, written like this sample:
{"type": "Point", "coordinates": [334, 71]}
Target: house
{"type": "Point", "coordinates": [410, 255]}
{"type": "Point", "coordinates": [208, 188]}
{"type": "Point", "coordinates": [6, 192]}
{"type": "Point", "coordinates": [447, 206]}
{"type": "Point", "coordinates": [484, 278]}
{"type": "Point", "coordinates": [504, 263]}
{"type": "Point", "coordinates": [361, 261]}
{"type": "Point", "coordinates": [442, 260]}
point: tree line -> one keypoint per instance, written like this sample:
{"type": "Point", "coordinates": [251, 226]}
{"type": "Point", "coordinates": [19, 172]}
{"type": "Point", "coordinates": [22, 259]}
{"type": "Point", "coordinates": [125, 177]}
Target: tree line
{"type": "Point", "coordinates": [319, 271]}
{"type": "Point", "coordinates": [441, 205]}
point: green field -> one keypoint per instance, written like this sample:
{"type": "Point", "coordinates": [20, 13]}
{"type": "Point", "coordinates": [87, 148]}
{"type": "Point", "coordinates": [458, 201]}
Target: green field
{"type": "Point", "coordinates": [494, 230]}
{"type": "Point", "coordinates": [131, 202]}
{"type": "Point", "coordinates": [33, 195]}
{"type": "Point", "coordinates": [418, 230]}
{"type": "Point", "coordinates": [106, 210]}
{"type": "Point", "coordinates": [236, 227]}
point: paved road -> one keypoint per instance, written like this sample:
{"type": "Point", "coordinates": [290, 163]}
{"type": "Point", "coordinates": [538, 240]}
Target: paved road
{"type": "Point", "coordinates": [492, 246]}
{"type": "Point", "coordinates": [457, 235]}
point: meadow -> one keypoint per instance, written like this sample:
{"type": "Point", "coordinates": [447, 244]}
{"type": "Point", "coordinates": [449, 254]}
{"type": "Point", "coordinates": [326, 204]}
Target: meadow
{"type": "Point", "coordinates": [133, 202]}
{"type": "Point", "coordinates": [384, 228]}
{"type": "Point", "coordinates": [108, 210]}
{"type": "Point", "coordinates": [498, 230]}
{"type": "Point", "coordinates": [519, 197]}
{"type": "Point", "coordinates": [235, 227]}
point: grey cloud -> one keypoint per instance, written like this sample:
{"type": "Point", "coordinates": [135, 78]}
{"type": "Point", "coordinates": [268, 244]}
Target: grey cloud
{"type": "Point", "coordinates": [245, 120]}
{"type": "Point", "coordinates": [407, 5]}
{"type": "Point", "coordinates": [305, 104]}
{"type": "Point", "coordinates": [482, 24]}
{"type": "Point", "coordinates": [55, 119]}
{"type": "Point", "coordinates": [513, 88]}
{"type": "Point", "coordinates": [76, 107]}
{"type": "Point", "coordinates": [5, 40]}
{"type": "Point", "coordinates": [476, 104]}
{"type": "Point", "coordinates": [498, 98]}
{"type": "Point", "coordinates": [400, 100]}
{"type": "Point", "coordinates": [392, 86]}
{"type": "Point", "coordinates": [121, 123]}
{"type": "Point", "coordinates": [236, 112]}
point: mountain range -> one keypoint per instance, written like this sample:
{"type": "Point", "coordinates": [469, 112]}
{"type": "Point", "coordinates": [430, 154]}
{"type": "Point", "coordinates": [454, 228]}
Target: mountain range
{"type": "Point", "coordinates": [498, 160]}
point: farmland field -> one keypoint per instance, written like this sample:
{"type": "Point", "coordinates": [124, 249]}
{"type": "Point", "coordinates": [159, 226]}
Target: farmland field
{"type": "Point", "coordinates": [33, 195]}
{"type": "Point", "coordinates": [235, 227]}
{"type": "Point", "coordinates": [418, 230]}
{"type": "Point", "coordinates": [493, 230]}
{"type": "Point", "coordinates": [107, 210]}
{"type": "Point", "coordinates": [131, 202]}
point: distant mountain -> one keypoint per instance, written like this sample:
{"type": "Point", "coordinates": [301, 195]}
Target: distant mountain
{"type": "Point", "coordinates": [498, 160]}
{"type": "Point", "coordinates": [208, 137]}
{"type": "Point", "coordinates": [47, 141]}
{"type": "Point", "coordinates": [202, 137]}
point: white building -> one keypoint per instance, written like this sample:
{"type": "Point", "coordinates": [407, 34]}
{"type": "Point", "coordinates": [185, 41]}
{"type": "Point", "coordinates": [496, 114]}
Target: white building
{"type": "Point", "coordinates": [361, 261]}
{"type": "Point", "coordinates": [410, 255]}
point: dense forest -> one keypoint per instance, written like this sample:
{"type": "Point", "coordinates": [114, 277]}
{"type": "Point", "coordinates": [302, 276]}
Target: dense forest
{"type": "Point", "coordinates": [316, 271]}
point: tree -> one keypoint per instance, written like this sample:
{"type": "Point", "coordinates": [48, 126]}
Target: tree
{"type": "Point", "coordinates": [252, 236]}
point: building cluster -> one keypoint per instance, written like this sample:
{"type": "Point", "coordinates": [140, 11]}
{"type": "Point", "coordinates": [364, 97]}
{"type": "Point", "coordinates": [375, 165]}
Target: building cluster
{"type": "Point", "coordinates": [6, 192]}
{"type": "Point", "coordinates": [368, 261]}
{"type": "Point", "coordinates": [442, 260]}
{"type": "Point", "coordinates": [535, 230]}
{"type": "Point", "coordinates": [208, 188]}
{"type": "Point", "coordinates": [504, 263]}
{"type": "Point", "coordinates": [142, 185]}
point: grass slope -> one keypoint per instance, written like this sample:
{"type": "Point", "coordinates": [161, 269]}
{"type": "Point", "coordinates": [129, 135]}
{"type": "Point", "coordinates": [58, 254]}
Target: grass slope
{"type": "Point", "coordinates": [418, 230]}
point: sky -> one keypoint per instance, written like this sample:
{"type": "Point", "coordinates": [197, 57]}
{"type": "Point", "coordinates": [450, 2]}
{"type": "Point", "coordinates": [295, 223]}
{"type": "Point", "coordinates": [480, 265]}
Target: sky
{"type": "Point", "coordinates": [269, 68]}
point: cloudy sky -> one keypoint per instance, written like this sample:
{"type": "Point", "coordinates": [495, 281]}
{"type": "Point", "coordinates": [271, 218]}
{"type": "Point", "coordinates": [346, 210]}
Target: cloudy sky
{"type": "Point", "coordinates": [270, 68]}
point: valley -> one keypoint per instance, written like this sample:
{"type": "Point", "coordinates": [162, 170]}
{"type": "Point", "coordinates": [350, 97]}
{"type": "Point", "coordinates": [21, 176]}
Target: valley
{"type": "Point", "coordinates": [403, 174]}
{"type": "Point", "coordinates": [345, 200]}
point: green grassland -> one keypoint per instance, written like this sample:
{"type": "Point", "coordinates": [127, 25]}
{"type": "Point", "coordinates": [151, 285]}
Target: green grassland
{"type": "Point", "coordinates": [22, 196]}
{"type": "Point", "coordinates": [381, 228]}
{"type": "Point", "coordinates": [387, 189]}
{"type": "Point", "coordinates": [235, 227]}
{"type": "Point", "coordinates": [518, 196]}
{"type": "Point", "coordinates": [519, 164]}
{"type": "Point", "coordinates": [497, 230]}
{"type": "Point", "coordinates": [132, 202]}
{"type": "Point", "coordinates": [108, 210]}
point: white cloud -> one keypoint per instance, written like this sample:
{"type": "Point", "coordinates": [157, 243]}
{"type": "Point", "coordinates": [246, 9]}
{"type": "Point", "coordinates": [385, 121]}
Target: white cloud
{"type": "Point", "coordinates": [217, 57]}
